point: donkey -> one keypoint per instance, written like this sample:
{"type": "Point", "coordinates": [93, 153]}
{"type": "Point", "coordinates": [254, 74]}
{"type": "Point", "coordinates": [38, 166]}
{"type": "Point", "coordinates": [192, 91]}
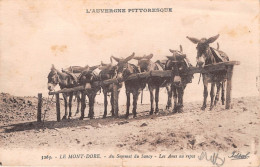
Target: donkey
{"type": "Point", "coordinates": [207, 55]}
{"type": "Point", "coordinates": [103, 72]}
{"type": "Point", "coordinates": [134, 86]}
{"type": "Point", "coordinates": [65, 80]}
{"type": "Point", "coordinates": [154, 83]}
{"type": "Point", "coordinates": [87, 78]}
{"type": "Point", "coordinates": [179, 65]}
{"type": "Point", "coordinates": [108, 71]}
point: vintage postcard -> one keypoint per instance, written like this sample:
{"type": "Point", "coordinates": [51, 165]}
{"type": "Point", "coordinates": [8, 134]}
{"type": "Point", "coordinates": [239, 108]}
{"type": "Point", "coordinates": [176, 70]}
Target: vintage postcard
{"type": "Point", "coordinates": [129, 83]}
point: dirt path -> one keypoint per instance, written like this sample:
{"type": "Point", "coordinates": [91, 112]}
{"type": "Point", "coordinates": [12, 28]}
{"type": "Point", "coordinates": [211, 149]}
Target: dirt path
{"type": "Point", "coordinates": [220, 129]}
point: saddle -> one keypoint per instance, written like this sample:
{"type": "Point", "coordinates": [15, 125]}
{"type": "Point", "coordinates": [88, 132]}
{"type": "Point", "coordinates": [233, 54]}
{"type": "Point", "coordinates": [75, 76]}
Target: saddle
{"type": "Point", "coordinates": [219, 55]}
{"type": "Point", "coordinates": [74, 76]}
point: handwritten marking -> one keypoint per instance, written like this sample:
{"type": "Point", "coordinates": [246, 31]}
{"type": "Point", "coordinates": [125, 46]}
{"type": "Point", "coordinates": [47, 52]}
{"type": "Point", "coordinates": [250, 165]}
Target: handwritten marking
{"type": "Point", "coordinates": [214, 159]}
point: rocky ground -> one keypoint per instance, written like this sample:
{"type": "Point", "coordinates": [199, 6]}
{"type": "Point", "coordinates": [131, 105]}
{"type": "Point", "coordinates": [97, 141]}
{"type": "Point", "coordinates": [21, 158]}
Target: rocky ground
{"type": "Point", "coordinates": [193, 129]}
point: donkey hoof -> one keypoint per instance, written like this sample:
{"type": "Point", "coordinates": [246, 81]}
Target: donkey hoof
{"type": "Point", "coordinates": [203, 107]}
{"type": "Point", "coordinates": [104, 116]}
{"type": "Point", "coordinates": [157, 111]}
{"type": "Point", "coordinates": [81, 118]}
{"type": "Point", "coordinates": [64, 117]}
{"type": "Point", "coordinates": [126, 116]}
{"type": "Point", "coordinates": [134, 116]}
{"type": "Point", "coordinates": [211, 107]}
{"type": "Point", "coordinates": [151, 112]}
{"type": "Point", "coordinates": [180, 110]}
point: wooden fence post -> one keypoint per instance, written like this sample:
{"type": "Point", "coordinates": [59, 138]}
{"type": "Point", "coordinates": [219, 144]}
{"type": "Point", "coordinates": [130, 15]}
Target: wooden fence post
{"type": "Point", "coordinates": [229, 86]}
{"type": "Point", "coordinates": [58, 107]}
{"type": "Point", "coordinates": [39, 110]}
{"type": "Point", "coordinates": [115, 94]}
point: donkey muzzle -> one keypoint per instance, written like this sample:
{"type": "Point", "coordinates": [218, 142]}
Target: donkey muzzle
{"type": "Point", "coordinates": [177, 80]}
{"type": "Point", "coordinates": [200, 62]}
{"type": "Point", "coordinates": [87, 86]}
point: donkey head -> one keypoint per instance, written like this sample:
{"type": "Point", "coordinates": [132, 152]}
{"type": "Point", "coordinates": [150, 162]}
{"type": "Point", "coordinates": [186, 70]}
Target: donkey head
{"type": "Point", "coordinates": [86, 78]}
{"type": "Point", "coordinates": [122, 64]}
{"type": "Point", "coordinates": [53, 78]}
{"type": "Point", "coordinates": [177, 64]}
{"type": "Point", "coordinates": [144, 62]}
{"type": "Point", "coordinates": [202, 48]}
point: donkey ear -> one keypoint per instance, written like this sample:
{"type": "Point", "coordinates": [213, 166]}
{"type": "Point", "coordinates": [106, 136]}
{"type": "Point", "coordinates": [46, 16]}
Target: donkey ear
{"type": "Point", "coordinates": [217, 46]}
{"type": "Point", "coordinates": [212, 39]}
{"type": "Point", "coordinates": [194, 40]}
{"type": "Point", "coordinates": [172, 51]}
{"type": "Point", "coordinates": [103, 64]}
{"type": "Point", "coordinates": [111, 60]}
{"type": "Point", "coordinates": [52, 67]}
{"type": "Point", "coordinates": [86, 67]}
{"type": "Point", "coordinates": [138, 58]}
{"type": "Point", "coordinates": [149, 56]}
{"type": "Point", "coordinates": [181, 49]}
{"type": "Point", "coordinates": [129, 57]}
{"type": "Point", "coordinates": [115, 58]}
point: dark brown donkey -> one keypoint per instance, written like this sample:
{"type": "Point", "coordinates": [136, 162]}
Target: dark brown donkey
{"type": "Point", "coordinates": [87, 78]}
{"type": "Point", "coordinates": [154, 83]}
{"type": "Point", "coordinates": [179, 65]}
{"type": "Point", "coordinates": [108, 71]}
{"type": "Point", "coordinates": [135, 86]}
{"type": "Point", "coordinates": [207, 55]}
{"type": "Point", "coordinates": [64, 80]}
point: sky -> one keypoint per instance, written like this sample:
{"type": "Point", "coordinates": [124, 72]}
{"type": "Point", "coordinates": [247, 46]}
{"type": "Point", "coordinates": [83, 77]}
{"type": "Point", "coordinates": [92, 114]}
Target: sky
{"type": "Point", "coordinates": [36, 34]}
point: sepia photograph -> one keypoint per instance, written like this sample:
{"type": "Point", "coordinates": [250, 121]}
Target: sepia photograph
{"type": "Point", "coordinates": [123, 83]}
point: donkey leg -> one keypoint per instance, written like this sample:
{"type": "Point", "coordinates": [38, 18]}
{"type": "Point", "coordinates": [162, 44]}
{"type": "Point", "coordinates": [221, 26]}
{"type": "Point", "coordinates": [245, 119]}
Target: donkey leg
{"type": "Point", "coordinates": [105, 103]}
{"type": "Point", "coordinates": [70, 103]}
{"type": "Point", "coordinates": [169, 102]}
{"type": "Point", "coordinates": [223, 92]}
{"type": "Point", "coordinates": [127, 104]}
{"type": "Point", "coordinates": [83, 104]}
{"type": "Point", "coordinates": [151, 100]}
{"type": "Point", "coordinates": [89, 97]}
{"type": "Point", "coordinates": [135, 99]}
{"type": "Point", "coordinates": [65, 105]}
{"type": "Point", "coordinates": [205, 95]}
{"type": "Point", "coordinates": [91, 104]}
{"type": "Point", "coordinates": [175, 98]}
{"type": "Point", "coordinates": [156, 99]}
{"type": "Point", "coordinates": [78, 103]}
{"type": "Point", "coordinates": [112, 104]}
{"type": "Point", "coordinates": [218, 84]}
{"type": "Point", "coordinates": [180, 98]}
{"type": "Point", "coordinates": [212, 95]}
